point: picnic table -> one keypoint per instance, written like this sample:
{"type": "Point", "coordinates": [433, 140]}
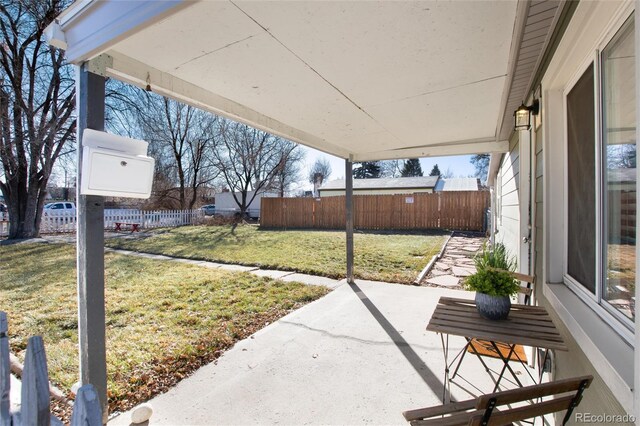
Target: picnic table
{"type": "Point", "coordinates": [135, 227]}
{"type": "Point", "coordinates": [526, 325]}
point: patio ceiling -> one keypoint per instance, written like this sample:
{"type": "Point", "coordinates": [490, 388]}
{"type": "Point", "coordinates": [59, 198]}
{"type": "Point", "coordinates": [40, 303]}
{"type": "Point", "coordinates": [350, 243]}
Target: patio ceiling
{"type": "Point", "coordinates": [359, 80]}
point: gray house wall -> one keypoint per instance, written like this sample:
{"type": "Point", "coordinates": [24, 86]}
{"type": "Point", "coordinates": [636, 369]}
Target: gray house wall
{"type": "Point", "coordinates": [605, 396]}
{"type": "Point", "coordinates": [508, 225]}
{"type": "Point", "coordinates": [598, 399]}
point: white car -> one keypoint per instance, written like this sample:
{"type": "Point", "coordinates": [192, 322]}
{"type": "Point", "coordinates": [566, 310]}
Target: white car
{"type": "Point", "coordinates": [65, 208]}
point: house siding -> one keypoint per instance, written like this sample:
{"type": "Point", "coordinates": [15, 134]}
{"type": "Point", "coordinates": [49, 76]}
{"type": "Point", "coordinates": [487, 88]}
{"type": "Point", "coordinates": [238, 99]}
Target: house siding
{"type": "Point", "coordinates": [538, 221]}
{"type": "Point", "coordinates": [599, 399]}
{"type": "Point", "coordinates": [508, 225]}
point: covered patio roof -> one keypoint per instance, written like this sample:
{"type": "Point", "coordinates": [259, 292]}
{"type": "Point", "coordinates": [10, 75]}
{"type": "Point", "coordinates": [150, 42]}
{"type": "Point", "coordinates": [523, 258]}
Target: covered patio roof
{"type": "Point", "coordinates": [359, 80]}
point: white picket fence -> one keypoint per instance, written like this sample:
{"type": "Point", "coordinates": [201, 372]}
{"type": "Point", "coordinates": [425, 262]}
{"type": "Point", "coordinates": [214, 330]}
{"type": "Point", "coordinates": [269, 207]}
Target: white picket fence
{"type": "Point", "coordinates": [54, 221]}
{"type": "Point", "coordinates": [34, 397]}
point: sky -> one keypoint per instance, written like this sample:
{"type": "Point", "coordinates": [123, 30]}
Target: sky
{"type": "Point", "coordinates": [460, 166]}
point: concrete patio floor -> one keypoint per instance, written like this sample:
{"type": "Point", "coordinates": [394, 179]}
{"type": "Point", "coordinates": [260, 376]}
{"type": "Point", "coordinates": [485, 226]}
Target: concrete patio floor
{"type": "Point", "coordinates": [360, 355]}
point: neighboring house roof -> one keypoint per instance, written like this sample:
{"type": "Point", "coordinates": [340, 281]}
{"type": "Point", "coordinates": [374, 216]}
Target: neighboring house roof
{"type": "Point", "coordinates": [458, 184]}
{"type": "Point", "coordinates": [384, 183]}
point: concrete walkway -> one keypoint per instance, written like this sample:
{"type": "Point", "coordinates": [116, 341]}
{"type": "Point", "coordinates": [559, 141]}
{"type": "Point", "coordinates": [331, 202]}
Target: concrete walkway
{"type": "Point", "coordinates": [360, 355]}
{"type": "Point", "coordinates": [271, 273]}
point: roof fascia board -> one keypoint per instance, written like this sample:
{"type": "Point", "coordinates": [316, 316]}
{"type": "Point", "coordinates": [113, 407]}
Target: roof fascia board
{"type": "Point", "coordinates": [90, 27]}
{"type": "Point", "coordinates": [522, 11]}
{"type": "Point", "coordinates": [457, 148]}
{"type": "Point", "coordinates": [560, 26]}
{"type": "Point", "coordinates": [136, 73]}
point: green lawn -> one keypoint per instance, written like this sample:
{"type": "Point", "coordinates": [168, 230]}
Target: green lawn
{"type": "Point", "coordinates": [378, 256]}
{"type": "Point", "coordinates": [164, 319]}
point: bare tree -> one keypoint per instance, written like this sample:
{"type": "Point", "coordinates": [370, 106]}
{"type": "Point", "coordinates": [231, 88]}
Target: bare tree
{"type": "Point", "coordinates": [289, 173]}
{"type": "Point", "coordinates": [180, 138]}
{"type": "Point", "coordinates": [320, 172]}
{"type": "Point", "coordinates": [250, 160]}
{"type": "Point", "coordinates": [448, 174]}
{"type": "Point", "coordinates": [392, 168]}
{"type": "Point", "coordinates": [37, 100]}
{"type": "Point", "coordinates": [320, 167]}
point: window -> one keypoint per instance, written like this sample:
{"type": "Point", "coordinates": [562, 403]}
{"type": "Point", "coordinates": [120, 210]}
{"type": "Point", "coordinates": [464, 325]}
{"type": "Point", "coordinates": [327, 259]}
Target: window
{"type": "Point", "coordinates": [619, 163]}
{"type": "Point", "coordinates": [601, 178]}
{"type": "Point", "coordinates": [581, 174]}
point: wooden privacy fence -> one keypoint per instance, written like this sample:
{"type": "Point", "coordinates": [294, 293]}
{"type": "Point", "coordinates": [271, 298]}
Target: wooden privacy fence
{"type": "Point", "coordinates": [459, 210]}
{"type": "Point", "coordinates": [34, 396]}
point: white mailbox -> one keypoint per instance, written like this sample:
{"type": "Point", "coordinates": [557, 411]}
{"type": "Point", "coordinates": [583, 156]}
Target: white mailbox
{"type": "Point", "coordinates": [115, 166]}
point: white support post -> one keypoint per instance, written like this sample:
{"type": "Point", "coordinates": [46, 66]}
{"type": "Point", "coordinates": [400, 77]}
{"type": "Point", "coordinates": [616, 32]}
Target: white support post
{"type": "Point", "coordinates": [5, 372]}
{"type": "Point", "coordinates": [524, 195]}
{"type": "Point", "coordinates": [348, 176]}
{"type": "Point", "coordinates": [90, 89]}
{"type": "Point", "coordinates": [636, 353]}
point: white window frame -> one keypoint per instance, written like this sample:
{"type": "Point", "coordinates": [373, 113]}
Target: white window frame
{"type": "Point", "coordinates": [595, 301]}
{"type": "Point", "coordinates": [601, 184]}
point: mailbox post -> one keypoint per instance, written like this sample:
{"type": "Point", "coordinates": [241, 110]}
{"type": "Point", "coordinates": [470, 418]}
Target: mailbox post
{"type": "Point", "coordinates": [90, 247]}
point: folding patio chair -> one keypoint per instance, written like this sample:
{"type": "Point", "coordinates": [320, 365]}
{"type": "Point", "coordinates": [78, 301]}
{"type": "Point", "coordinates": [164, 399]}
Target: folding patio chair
{"type": "Point", "coordinates": [503, 408]}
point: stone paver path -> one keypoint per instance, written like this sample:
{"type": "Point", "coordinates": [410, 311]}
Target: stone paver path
{"type": "Point", "coordinates": [456, 261]}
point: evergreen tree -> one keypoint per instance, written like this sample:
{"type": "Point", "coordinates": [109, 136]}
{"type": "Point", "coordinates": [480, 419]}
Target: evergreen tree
{"type": "Point", "coordinates": [412, 168]}
{"type": "Point", "coordinates": [367, 170]}
{"type": "Point", "coordinates": [435, 171]}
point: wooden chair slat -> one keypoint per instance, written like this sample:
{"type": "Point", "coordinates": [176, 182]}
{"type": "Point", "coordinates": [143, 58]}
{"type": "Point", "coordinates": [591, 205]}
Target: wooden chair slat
{"type": "Point", "coordinates": [517, 275]}
{"type": "Point", "coordinates": [564, 392]}
{"type": "Point", "coordinates": [523, 277]}
{"type": "Point", "coordinates": [524, 412]}
{"type": "Point", "coordinates": [451, 408]}
{"type": "Point", "coordinates": [458, 419]}
{"type": "Point", "coordinates": [534, 391]}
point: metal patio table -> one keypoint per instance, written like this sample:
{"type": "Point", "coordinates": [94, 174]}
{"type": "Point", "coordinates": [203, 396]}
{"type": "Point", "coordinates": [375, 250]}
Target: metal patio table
{"type": "Point", "coordinates": [526, 325]}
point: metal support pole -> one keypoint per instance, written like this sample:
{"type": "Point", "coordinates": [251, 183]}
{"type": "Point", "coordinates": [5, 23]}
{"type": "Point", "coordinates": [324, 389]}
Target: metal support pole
{"type": "Point", "coordinates": [348, 176]}
{"type": "Point", "coordinates": [90, 89]}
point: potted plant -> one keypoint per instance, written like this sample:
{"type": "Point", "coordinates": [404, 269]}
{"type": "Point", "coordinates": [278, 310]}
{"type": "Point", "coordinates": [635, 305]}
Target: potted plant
{"type": "Point", "coordinates": [493, 282]}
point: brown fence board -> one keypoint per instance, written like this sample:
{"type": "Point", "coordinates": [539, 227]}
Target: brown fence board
{"type": "Point", "coordinates": [463, 210]}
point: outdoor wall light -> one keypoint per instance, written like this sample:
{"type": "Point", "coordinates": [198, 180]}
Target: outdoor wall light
{"type": "Point", "coordinates": [522, 115]}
